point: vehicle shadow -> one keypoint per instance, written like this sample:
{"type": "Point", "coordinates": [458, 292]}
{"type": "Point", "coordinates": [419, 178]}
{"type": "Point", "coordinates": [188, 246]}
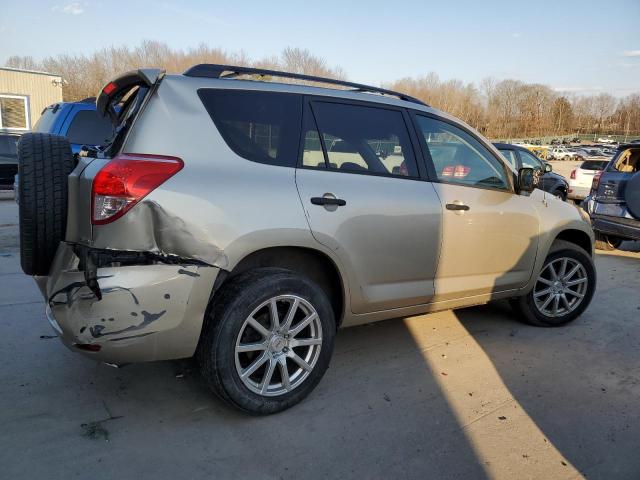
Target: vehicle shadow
{"type": "Point", "coordinates": [576, 383]}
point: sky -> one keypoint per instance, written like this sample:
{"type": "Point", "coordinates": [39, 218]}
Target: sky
{"type": "Point", "coordinates": [573, 46]}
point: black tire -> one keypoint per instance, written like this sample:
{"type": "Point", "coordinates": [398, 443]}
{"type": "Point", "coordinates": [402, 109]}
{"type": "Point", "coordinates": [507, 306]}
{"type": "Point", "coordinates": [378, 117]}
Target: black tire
{"type": "Point", "coordinates": [525, 306]}
{"type": "Point", "coordinates": [560, 194]}
{"type": "Point", "coordinates": [607, 242]}
{"type": "Point", "coordinates": [44, 162]}
{"type": "Point", "coordinates": [224, 320]}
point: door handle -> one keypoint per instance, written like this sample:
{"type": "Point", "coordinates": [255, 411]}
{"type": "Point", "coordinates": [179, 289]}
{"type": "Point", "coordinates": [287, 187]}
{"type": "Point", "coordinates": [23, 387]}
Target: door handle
{"type": "Point", "coordinates": [328, 201]}
{"type": "Point", "coordinates": [457, 206]}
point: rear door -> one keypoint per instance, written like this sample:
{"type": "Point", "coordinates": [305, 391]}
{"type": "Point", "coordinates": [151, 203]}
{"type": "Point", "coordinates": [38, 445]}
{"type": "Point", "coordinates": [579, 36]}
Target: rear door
{"type": "Point", "coordinates": [362, 192]}
{"type": "Point", "coordinates": [489, 233]}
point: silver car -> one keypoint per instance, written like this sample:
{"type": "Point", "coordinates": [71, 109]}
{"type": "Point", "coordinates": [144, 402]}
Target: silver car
{"type": "Point", "coordinates": [244, 221]}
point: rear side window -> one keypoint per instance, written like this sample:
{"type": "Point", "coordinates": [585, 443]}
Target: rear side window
{"type": "Point", "coordinates": [89, 128]}
{"type": "Point", "coordinates": [361, 139]}
{"type": "Point", "coordinates": [259, 126]}
{"type": "Point", "coordinates": [46, 121]}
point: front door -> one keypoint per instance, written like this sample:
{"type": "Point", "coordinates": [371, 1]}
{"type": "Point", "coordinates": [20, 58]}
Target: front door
{"type": "Point", "coordinates": [489, 233]}
{"type": "Point", "coordinates": [360, 187]}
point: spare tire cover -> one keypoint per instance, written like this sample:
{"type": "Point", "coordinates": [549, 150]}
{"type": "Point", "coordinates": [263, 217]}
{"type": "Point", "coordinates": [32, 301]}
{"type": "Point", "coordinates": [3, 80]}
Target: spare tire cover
{"type": "Point", "coordinates": [632, 195]}
{"type": "Point", "coordinates": [44, 164]}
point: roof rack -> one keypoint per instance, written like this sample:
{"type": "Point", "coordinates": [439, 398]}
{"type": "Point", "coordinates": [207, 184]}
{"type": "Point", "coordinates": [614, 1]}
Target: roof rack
{"type": "Point", "coordinates": [211, 70]}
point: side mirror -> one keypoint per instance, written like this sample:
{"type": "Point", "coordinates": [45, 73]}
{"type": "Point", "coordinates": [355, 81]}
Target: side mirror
{"type": "Point", "coordinates": [547, 167]}
{"type": "Point", "coordinates": [526, 180]}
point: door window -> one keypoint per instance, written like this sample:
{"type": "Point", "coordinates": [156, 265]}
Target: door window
{"type": "Point", "coordinates": [529, 161]}
{"type": "Point", "coordinates": [360, 139]}
{"type": "Point", "coordinates": [459, 158]}
{"type": "Point", "coordinates": [510, 155]}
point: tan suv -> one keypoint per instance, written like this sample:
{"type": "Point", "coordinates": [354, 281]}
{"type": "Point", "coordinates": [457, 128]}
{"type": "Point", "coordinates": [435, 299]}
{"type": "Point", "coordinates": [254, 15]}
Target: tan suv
{"type": "Point", "coordinates": [244, 221]}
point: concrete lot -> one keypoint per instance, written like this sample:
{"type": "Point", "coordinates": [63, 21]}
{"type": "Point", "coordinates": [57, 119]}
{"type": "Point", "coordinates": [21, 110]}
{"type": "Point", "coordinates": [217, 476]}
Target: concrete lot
{"type": "Point", "coordinates": [466, 394]}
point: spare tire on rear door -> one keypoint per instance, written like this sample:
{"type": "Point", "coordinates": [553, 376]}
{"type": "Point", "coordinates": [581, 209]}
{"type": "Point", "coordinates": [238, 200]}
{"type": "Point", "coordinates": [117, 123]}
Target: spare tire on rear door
{"type": "Point", "coordinates": [44, 163]}
{"type": "Point", "coordinates": [632, 195]}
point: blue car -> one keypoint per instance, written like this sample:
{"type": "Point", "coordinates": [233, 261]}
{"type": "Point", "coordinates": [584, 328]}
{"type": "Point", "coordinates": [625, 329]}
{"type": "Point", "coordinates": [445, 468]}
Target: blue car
{"type": "Point", "coordinates": [78, 121]}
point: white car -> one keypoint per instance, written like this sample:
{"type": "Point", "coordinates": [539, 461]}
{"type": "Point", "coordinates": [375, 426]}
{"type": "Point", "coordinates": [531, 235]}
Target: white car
{"type": "Point", "coordinates": [581, 178]}
{"type": "Point", "coordinates": [606, 140]}
{"type": "Point", "coordinates": [562, 153]}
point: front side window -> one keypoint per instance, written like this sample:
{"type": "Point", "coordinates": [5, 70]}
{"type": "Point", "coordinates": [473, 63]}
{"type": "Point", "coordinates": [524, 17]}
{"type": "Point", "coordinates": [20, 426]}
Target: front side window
{"type": "Point", "coordinates": [529, 161]}
{"type": "Point", "coordinates": [259, 126]}
{"type": "Point", "coordinates": [459, 158]}
{"type": "Point", "coordinates": [510, 155]}
{"type": "Point", "coordinates": [362, 139]}
{"type": "Point", "coordinates": [13, 112]}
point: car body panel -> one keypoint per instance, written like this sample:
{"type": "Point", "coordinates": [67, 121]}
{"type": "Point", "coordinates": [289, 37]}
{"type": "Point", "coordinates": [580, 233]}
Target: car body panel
{"type": "Point", "coordinates": [388, 235]}
{"type": "Point", "coordinates": [489, 248]}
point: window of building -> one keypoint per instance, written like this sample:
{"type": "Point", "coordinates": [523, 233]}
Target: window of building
{"type": "Point", "coordinates": [14, 112]}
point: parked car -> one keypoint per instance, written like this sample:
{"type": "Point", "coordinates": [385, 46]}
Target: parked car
{"type": "Point", "coordinates": [606, 140]}
{"type": "Point", "coordinates": [217, 222]}
{"type": "Point", "coordinates": [581, 178]}
{"type": "Point", "coordinates": [520, 157]}
{"type": "Point", "coordinates": [8, 159]}
{"type": "Point", "coordinates": [78, 121]}
{"type": "Point", "coordinates": [614, 202]}
{"type": "Point", "coordinates": [562, 153]}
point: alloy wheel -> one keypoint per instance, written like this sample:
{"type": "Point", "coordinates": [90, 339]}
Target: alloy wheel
{"type": "Point", "coordinates": [560, 287]}
{"type": "Point", "coordinates": [278, 345]}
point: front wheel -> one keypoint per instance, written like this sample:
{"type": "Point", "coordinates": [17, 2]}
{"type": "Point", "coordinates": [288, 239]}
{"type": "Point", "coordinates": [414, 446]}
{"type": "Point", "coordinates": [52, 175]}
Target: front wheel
{"type": "Point", "coordinates": [563, 289]}
{"type": "Point", "coordinates": [267, 340]}
{"type": "Point", "coordinates": [559, 193]}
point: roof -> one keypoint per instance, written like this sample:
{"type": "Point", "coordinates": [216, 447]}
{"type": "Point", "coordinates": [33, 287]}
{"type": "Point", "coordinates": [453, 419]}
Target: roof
{"type": "Point", "coordinates": [36, 72]}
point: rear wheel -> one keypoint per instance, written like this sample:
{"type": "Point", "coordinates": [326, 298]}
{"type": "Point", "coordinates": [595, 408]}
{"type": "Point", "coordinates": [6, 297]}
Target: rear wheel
{"type": "Point", "coordinates": [267, 340]}
{"type": "Point", "coordinates": [607, 242]}
{"type": "Point", "coordinates": [563, 289]}
{"type": "Point", "coordinates": [45, 162]}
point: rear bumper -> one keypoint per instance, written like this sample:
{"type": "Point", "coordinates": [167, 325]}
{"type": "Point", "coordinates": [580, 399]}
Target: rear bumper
{"type": "Point", "coordinates": [578, 193]}
{"type": "Point", "coordinates": [147, 312]}
{"type": "Point", "coordinates": [619, 227]}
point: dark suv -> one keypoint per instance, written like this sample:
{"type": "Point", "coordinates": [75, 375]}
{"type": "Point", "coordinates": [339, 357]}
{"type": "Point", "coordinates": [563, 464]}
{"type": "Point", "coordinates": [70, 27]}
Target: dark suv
{"type": "Point", "coordinates": [8, 158]}
{"type": "Point", "coordinates": [614, 203]}
{"type": "Point", "coordinates": [520, 157]}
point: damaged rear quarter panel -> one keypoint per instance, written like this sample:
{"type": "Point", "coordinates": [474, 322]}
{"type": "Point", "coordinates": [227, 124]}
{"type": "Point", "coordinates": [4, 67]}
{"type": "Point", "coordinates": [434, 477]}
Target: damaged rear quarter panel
{"type": "Point", "coordinates": [148, 312]}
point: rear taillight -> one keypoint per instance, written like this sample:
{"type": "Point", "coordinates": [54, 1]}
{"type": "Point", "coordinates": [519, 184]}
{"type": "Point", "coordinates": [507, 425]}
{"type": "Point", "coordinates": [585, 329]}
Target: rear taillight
{"type": "Point", "coordinates": [596, 181]}
{"type": "Point", "coordinates": [126, 180]}
{"type": "Point", "coordinates": [573, 175]}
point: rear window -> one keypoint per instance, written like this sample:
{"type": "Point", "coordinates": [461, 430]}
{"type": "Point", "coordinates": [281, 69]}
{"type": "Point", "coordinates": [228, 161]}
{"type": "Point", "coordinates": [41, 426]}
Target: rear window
{"type": "Point", "coordinates": [89, 128]}
{"type": "Point", "coordinates": [594, 164]}
{"type": "Point", "coordinates": [46, 121]}
{"type": "Point", "coordinates": [259, 126]}
{"type": "Point", "coordinates": [627, 161]}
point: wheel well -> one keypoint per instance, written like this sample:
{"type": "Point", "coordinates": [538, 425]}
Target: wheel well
{"type": "Point", "coordinates": [577, 237]}
{"type": "Point", "coordinates": [315, 265]}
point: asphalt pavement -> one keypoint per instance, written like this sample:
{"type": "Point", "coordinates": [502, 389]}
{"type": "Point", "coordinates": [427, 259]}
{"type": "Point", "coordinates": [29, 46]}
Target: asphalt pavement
{"type": "Point", "coordinates": [466, 394]}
